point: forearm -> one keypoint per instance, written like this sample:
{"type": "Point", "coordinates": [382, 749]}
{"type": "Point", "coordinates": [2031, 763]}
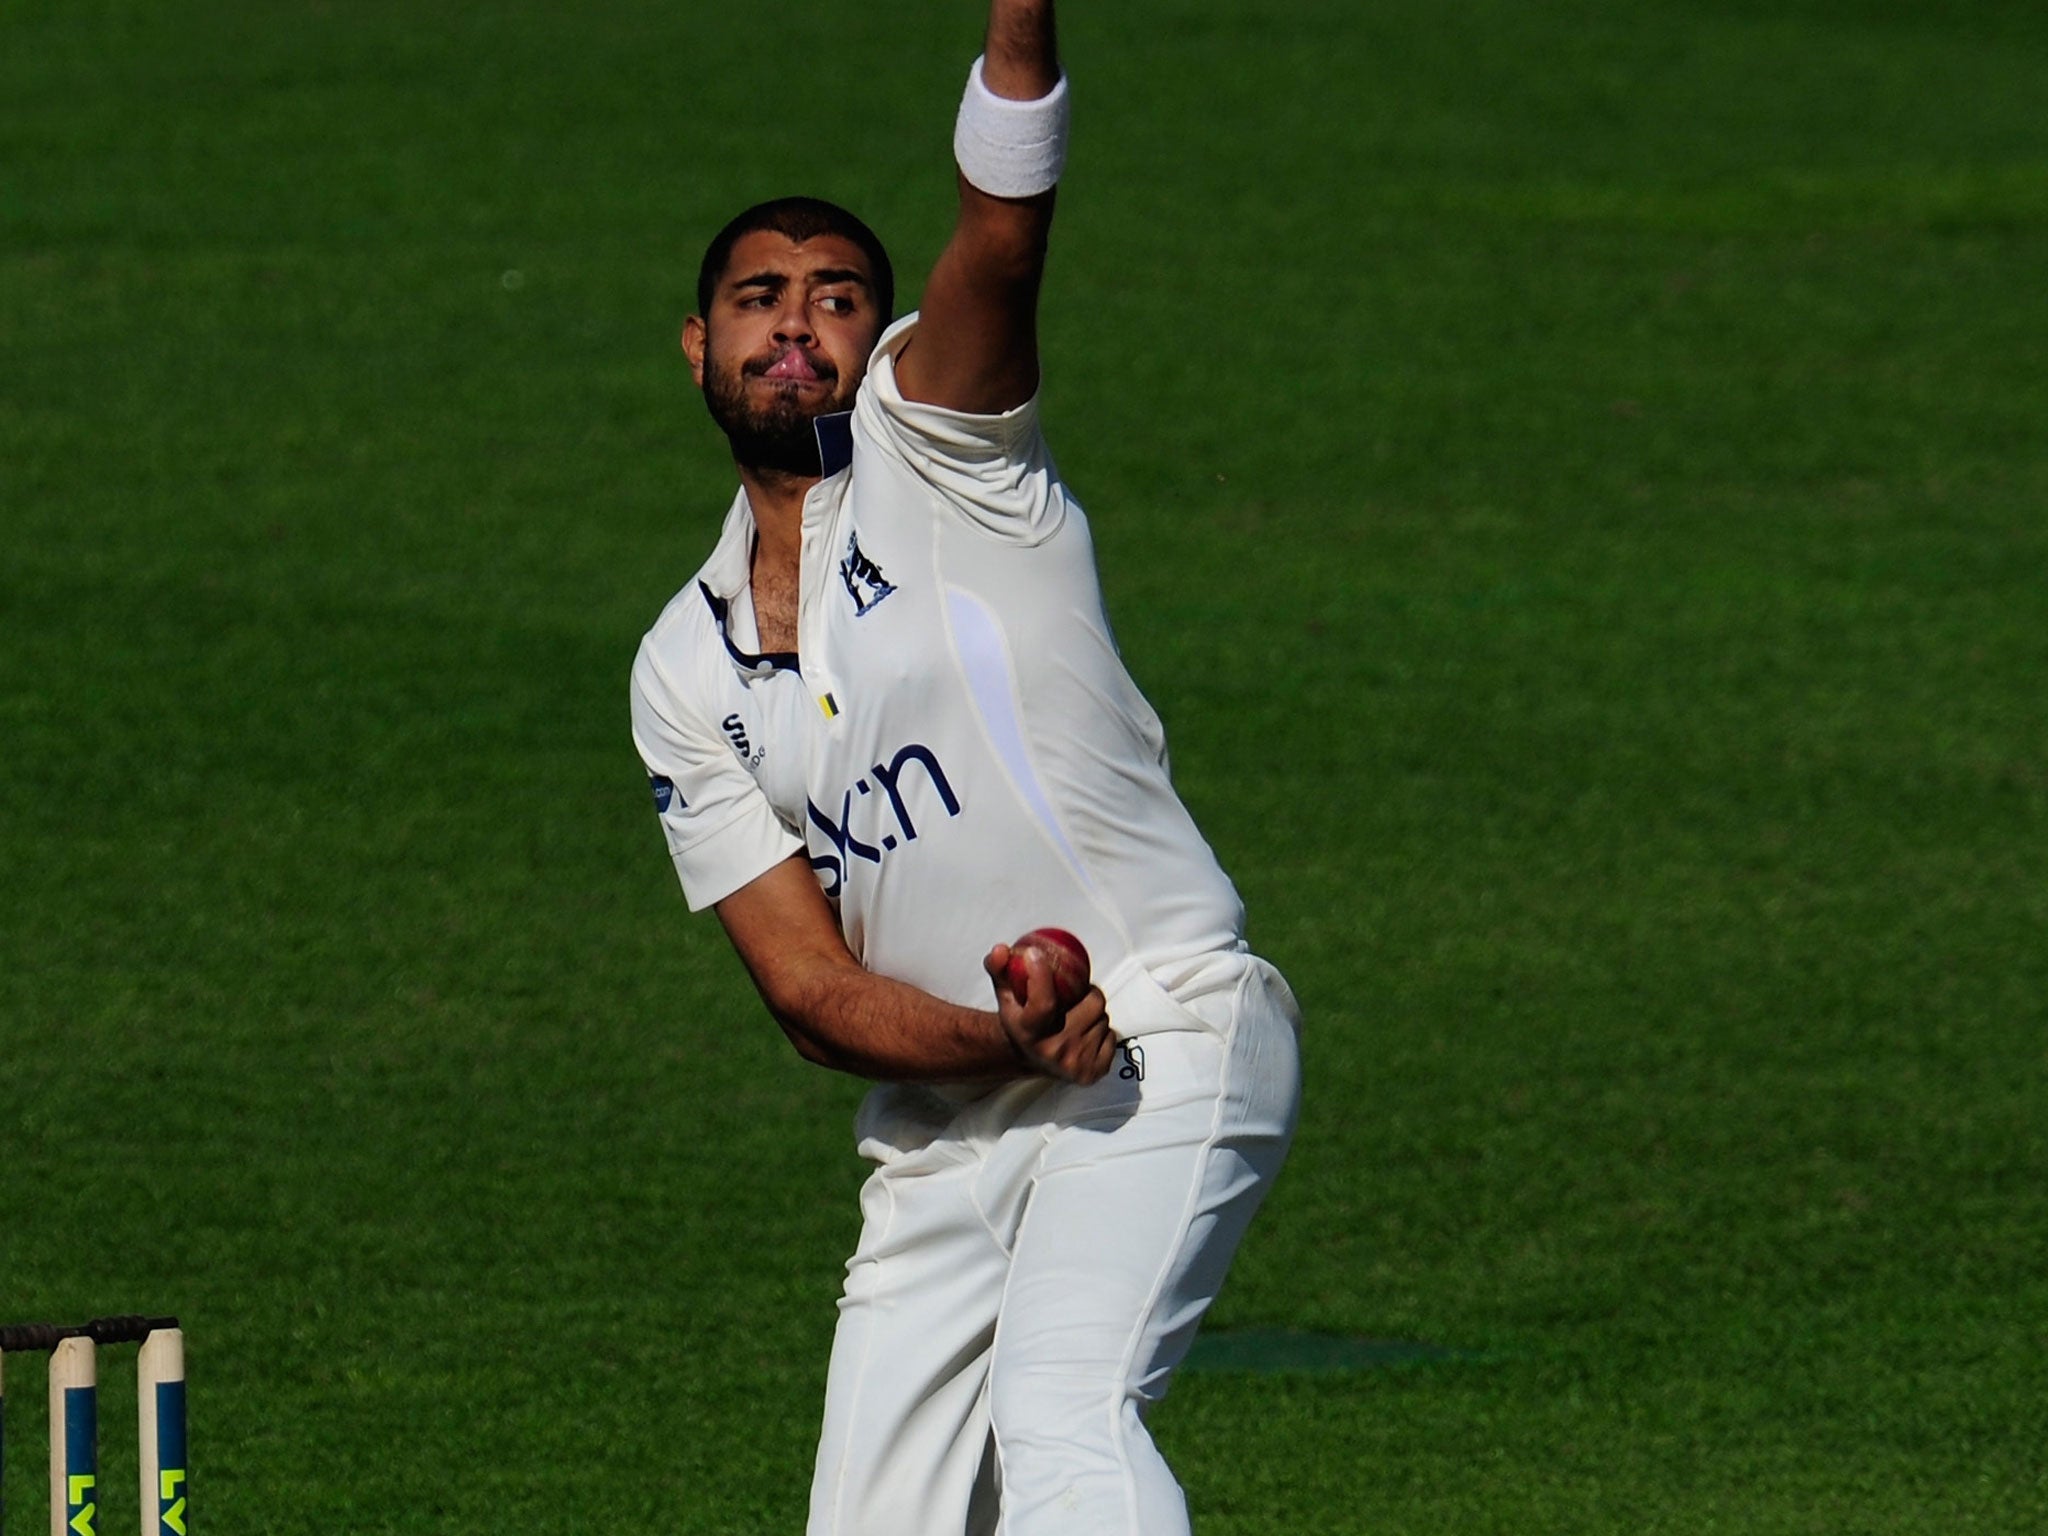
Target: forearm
{"type": "Point", "coordinates": [839, 1014]}
{"type": "Point", "coordinates": [852, 1020]}
{"type": "Point", "coordinates": [976, 346]}
{"type": "Point", "coordinates": [1020, 53]}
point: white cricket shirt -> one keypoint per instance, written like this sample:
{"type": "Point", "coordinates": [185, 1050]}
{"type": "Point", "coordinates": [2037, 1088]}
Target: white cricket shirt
{"type": "Point", "coordinates": [955, 745]}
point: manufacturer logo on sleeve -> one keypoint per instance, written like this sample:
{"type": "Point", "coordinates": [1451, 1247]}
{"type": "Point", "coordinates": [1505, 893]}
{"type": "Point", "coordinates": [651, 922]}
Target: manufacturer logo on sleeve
{"type": "Point", "coordinates": [865, 583]}
{"type": "Point", "coordinates": [736, 732]}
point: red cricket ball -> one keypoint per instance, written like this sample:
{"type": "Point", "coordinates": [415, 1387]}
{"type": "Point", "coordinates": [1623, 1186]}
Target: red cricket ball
{"type": "Point", "coordinates": [1064, 955]}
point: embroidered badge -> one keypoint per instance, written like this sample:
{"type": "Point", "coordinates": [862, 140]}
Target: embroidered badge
{"type": "Point", "coordinates": [865, 583]}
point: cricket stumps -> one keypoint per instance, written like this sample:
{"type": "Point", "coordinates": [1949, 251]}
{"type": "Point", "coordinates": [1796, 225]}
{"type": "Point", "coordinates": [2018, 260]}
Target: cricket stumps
{"type": "Point", "coordinates": [74, 1419]}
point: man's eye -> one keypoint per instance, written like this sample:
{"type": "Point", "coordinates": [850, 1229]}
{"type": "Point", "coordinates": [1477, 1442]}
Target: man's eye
{"type": "Point", "coordinates": [838, 304]}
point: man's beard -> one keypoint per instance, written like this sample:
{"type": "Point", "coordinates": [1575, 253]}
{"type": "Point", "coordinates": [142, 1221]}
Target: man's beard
{"type": "Point", "coordinates": [775, 438]}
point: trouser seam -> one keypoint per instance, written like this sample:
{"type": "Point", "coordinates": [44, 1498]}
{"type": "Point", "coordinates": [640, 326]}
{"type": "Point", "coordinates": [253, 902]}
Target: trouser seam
{"type": "Point", "coordinates": [1174, 1253]}
{"type": "Point", "coordinates": [848, 1438]}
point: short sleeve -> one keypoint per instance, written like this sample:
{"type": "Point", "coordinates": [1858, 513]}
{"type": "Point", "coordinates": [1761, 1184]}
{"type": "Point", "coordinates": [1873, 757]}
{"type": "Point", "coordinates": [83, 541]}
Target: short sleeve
{"type": "Point", "coordinates": [994, 470]}
{"type": "Point", "coordinates": [720, 828]}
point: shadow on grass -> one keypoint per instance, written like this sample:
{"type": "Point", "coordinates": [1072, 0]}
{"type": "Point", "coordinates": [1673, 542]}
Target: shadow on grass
{"type": "Point", "coordinates": [1265, 1351]}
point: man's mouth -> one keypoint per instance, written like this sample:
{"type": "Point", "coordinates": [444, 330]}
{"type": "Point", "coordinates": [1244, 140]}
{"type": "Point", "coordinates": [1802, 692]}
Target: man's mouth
{"type": "Point", "coordinates": [796, 366]}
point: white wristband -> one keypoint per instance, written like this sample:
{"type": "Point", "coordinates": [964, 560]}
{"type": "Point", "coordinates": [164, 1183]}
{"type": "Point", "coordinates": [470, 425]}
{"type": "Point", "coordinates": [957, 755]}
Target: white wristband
{"type": "Point", "coordinates": [1010, 148]}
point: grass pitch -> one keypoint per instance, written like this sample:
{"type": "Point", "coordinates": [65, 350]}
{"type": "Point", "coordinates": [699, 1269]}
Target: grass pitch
{"type": "Point", "coordinates": [1570, 478]}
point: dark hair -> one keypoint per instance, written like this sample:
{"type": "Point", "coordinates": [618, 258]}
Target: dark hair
{"type": "Point", "coordinates": [797, 218]}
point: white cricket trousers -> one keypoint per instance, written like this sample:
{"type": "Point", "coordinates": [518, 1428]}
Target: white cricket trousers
{"type": "Point", "coordinates": [1032, 1266]}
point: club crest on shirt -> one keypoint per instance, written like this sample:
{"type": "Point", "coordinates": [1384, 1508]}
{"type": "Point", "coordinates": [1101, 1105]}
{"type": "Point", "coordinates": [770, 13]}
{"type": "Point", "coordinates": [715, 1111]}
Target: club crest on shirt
{"type": "Point", "coordinates": [865, 583]}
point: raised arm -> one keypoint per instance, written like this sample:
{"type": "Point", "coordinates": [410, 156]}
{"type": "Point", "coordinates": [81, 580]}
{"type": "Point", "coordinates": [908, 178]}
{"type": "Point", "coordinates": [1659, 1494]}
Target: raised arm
{"type": "Point", "coordinates": [976, 345]}
{"type": "Point", "coordinates": [840, 1015]}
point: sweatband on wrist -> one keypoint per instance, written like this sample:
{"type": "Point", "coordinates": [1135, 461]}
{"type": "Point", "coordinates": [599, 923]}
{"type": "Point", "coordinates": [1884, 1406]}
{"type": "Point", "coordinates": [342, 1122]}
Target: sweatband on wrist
{"type": "Point", "coordinates": [1010, 148]}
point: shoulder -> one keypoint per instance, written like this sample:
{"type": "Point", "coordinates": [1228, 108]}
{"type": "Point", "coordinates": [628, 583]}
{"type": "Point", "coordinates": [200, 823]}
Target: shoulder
{"type": "Point", "coordinates": [993, 471]}
{"type": "Point", "coordinates": [681, 639]}
{"type": "Point", "coordinates": [688, 636]}
{"type": "Point", "coordinates": [882, 404]}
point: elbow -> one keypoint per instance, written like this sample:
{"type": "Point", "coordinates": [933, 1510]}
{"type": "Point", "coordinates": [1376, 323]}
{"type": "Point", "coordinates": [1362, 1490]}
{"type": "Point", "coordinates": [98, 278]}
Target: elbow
{"type": "Point", "coordinates": [809, 1046]}
{"type": "Point", "coordinates": [798, 1010]}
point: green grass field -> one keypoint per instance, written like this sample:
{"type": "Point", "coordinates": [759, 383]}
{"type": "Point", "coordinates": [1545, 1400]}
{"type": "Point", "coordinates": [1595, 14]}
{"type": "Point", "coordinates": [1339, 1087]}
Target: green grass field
{"type": "Point", "coordinates": [1571, 477]}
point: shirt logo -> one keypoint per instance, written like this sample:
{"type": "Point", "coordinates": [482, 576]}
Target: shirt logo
{"type": "Point", "coordinates": [891, 825]}
{"type": "Point", "coordinates": [664, 793]}
{"type": "Point", "coordinates": [1133, 1069]}
{"type": "Point", "coordinates": [736, 732]}
{"type": "Point", "coordinates": [865, 583]}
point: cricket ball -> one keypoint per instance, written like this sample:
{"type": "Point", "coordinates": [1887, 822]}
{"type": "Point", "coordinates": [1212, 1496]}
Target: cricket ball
{"type": "Point", "coordinates": [1064, 955]}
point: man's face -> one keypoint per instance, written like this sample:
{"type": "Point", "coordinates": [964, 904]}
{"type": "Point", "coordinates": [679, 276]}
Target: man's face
{"type": "Point", "coordinates": [786, 341]}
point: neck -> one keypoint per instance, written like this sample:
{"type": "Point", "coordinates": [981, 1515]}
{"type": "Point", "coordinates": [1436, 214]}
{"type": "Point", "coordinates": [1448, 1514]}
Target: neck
{"type": "Point", "coordinates": [777, 501]}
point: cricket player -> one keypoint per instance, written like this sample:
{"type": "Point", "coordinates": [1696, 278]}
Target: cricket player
{"type": "Point", "coordinates": [887, 731]}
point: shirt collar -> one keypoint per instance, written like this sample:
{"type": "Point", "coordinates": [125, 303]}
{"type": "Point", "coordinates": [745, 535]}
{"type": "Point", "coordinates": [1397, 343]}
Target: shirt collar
{"type": "Point", "coordinates": [749, 664]}
{"type": "Point", "coordinates": [835, 441]}
{"type": "Point", "coordinates": [726, 572]}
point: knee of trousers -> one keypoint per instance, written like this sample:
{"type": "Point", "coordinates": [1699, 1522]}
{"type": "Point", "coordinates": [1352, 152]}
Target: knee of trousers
{"type": "Point", "coordinates": [1075, 1412]}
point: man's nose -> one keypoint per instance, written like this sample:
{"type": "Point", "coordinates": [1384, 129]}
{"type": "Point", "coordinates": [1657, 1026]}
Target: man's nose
{"type": "Point", "coordinates": [793, 322]}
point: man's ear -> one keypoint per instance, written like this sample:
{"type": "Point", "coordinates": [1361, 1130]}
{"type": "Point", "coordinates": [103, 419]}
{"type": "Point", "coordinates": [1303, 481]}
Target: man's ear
{"type": "Point", "coordinates": [694, 339]}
